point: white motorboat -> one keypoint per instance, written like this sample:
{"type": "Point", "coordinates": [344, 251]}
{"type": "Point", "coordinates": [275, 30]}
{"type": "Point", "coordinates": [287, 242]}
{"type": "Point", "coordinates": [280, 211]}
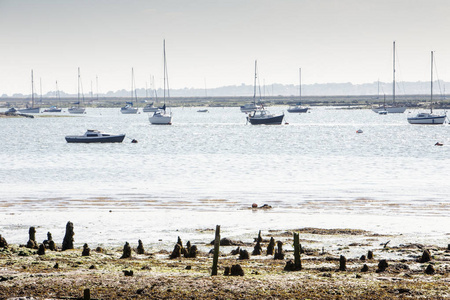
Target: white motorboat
{"type": "Point", "coordinates": [76, 110]}
{"type": "Point", "coordinates": [31, 109]}
{"type": "Point", "coordinates": [394, 108]}
{"type": "Point", "coordinates": [95, 136]}
{"type": "Point", "coordinates": [150, 108]}
{"type": "Point", "coordinates": [52, 109]}
{"type": "Point", "coordinates": [428, 118]}
{"type": "Point", "coordinates": [162, 116]}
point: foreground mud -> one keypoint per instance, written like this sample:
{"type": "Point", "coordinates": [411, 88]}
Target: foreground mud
{"type": "Point", "coordinates": [152, 275]}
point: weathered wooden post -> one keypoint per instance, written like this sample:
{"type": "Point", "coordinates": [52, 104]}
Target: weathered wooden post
{"type": "Point", "coordinates": [87, 294]}
{"type": "Point", "coordinates": [216, 251]}
{"type": "Point", "coordinates": [297, 261]}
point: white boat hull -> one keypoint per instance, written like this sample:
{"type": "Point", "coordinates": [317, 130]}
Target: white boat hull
{"type": "Point", "coordinates": [428, 120]}
{"type": "Point", "coordinates": [129, 111]}
{"type": "Point", "coordinates": [150, 109]}
{"type": "Point", "coordinates": [160, 119]}
{"type": "Point", "coordinates": [77, 110]}
{"type": "Point", "coordinates": [390, 110]}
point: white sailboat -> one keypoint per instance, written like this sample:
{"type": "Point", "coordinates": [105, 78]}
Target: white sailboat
{"type": "Point", "coordinates": [428, 118]}
{"type": "Point", "coordinates": [394, 108]}
{"type": "Point", "coordinates": [128, 108]}
{"type": "Point", "coordinates": [32, 109]}
{"type": "Point", "coordinates": [55, 108]}
{"type": "Point", "coordinates": [298, 108]}
{"type": "Point", "coordinates": [78, 109]}
{"type": "Point", "coordinates": [162, 117]}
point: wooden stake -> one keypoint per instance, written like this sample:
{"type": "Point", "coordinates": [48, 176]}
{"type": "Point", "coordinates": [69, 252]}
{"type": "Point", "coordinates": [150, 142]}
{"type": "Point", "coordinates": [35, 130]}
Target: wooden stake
{"type": "Point", "coordinates": [216, 251]}
{"type": "Point", "coordinates": [297, 261]}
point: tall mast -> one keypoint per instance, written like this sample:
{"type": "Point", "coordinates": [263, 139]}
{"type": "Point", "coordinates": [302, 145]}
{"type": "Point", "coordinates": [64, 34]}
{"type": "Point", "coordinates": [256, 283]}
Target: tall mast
{"type": "Point", "coordinates": [96, 79]}
{"type": "Point", "coordinates": [254, 85]}
{"type": "Point", "coordinates": [132, 79]}
{"type": "Point", "coordinates": [393, 76]}
{"type": "Point", "coordinates": [32, 89]}
{"type": "Point", "coordinates": [40, 89]}
{"type": "Point", "coordinates": [165, 70]}
{"type": "Point", "coordinates": [78, 96]}
{"type": "Point", "coordinates": [300, 83]}
{"type": "Point", "coordinates": [431, 98]}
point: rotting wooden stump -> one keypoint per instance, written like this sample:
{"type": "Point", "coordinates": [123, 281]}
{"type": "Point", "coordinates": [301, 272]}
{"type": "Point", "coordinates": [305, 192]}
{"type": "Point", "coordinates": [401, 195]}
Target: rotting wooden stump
{"type": "Point", "coordinates": [363, 258]}
{"type": "Point", "coordinates": [68, 237]}
{"type": "Point", "coordinates": [382, 266]}
{"type": "Point", "coordinates": [365, 268]}
{"type": "Point", "coordinates": [243, 254]}
{"type": "Point", "coordinates": [430, 270]}
{"type": "Point", "coordinates": [271, 246]}
{"type": "Point", "coordinates": [86, 250]}
{"type": "Point", "coordinates": [426, 256]}
{"type": "Point", "coordinates": [49, 243]}
{"type": "Point", "coordinates": [236, 270]}
{"type": "Point", "coordinates": [140, 248]}
{"type": "Point", "coordinates": [235, 251]}
{"type": "Point", "coordinates": [41, 250]}
{"type": "Point", "coordinates": [342, 263]}
{"type": "Point", "coordinates": [257, 250]}
{"type": "Point", "coordinates": [176, 253]}
{"type": "Point", "coordinates": [3, 243]}
{"type": "Point", "coordinates": [32, 238]}
{"type": "Point", "coordinates": [279, 253]}
{"type": "Point", "coordinates": [369, 255]}
{"type": "Point", "coordinates": [126, 251]}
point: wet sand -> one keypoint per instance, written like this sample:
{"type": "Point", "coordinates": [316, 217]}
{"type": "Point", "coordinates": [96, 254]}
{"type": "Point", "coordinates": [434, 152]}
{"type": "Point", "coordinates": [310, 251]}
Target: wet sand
{"type": "Point", "coordinates": [66, 274]}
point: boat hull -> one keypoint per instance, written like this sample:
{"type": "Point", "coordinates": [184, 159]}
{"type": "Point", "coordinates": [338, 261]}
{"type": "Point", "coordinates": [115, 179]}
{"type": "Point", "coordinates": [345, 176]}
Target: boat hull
{"type": "Point", "coordinates": [158, 119]}
{"type": "Point", "coordinates": [436, 120]}
{"type": "Point", "coordinates": [298, 109]}
{"type": "Point", "coordinates": [390, 110]}
{"type": "Point", "coordinates": [129, 111]}
{"type": "Point", "coordinates": [34, 110]}
{"type": "Point", "coordinates": [109, 139]}
{"type": "Point", "coordinates": [76, 110]}
{"type": "Point", "coordinates": [150, 109]}
{"type": "Point", "coordinates": [53, 110]}
{"type": "Point", "coordinates": [275, 120]}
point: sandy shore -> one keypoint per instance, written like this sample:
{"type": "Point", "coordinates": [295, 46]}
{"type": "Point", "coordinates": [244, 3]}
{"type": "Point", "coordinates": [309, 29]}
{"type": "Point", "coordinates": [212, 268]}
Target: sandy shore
{"type": "Point", "coordinates": [66, 274]}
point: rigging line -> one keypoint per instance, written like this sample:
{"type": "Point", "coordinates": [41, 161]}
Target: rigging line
{"type": "Point", "coordinates": [397, 82]}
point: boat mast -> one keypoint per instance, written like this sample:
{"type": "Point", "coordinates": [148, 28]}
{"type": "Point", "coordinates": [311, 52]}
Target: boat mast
{"type": "Point", "coordinates": [132, 79]}
{"type": "Point", "coordinates": [393, 76]}
{"type": "Point", "coordinates": [254, 85]}
{"type": "Point", "coordinates": [32, 89]}
{"type": "Point", "coordinates": [300, 83]}
{"type": "Point", "coordinates": [78, 96]}
{"type": "Point", "coordinates": [431, 96]}
{"type": "Point", "coordinates": [165, 75]}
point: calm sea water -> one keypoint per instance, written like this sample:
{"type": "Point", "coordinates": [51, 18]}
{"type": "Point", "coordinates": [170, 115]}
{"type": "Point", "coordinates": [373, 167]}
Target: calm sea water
{"type": "Point", "coordinates": [208, 168]}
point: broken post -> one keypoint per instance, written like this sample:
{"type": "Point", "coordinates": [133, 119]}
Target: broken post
{"type": "Point", "coordinates": [216, 251]}
{"type": "Point", "coordinates": [297, 261]}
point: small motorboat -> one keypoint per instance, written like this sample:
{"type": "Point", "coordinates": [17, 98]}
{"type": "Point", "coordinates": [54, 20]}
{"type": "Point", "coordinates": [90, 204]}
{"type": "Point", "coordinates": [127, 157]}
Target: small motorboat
{"type": "Point", "coordinates": [53, 109]}
{"type": "Point", "coordinates": [95, 136]}
{"type": "Point", "coordinates": [202, 110]}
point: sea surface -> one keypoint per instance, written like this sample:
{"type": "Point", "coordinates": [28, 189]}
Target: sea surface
{"type": "Point", "coordinates": [208, 169]}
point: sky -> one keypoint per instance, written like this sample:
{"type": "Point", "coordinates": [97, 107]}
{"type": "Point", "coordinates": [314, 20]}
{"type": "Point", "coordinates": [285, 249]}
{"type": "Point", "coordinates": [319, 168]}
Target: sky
{"type": "Point", "coordinates": [215, 43]}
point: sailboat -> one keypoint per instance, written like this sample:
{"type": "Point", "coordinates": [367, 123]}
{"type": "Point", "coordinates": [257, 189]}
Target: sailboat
{"type": "Point", "coordinates": [428, 118]}
{"type": "Point", "coordinates": [77, 109]}
{"type": "Point", "coordinates": [298, 108]}
{"type": "Point", "coordinates": [162, 117]}
{"type": "Point", "coordinates": [32, 109]}
{"type": "Point", "coordinates": [128, 108]}
{"type": "Point", "coordinates": [262, 116]}
{"type": "Point", "coordinates": [394, 108]}
{"type": "Point", "coordinates": [55, 108]}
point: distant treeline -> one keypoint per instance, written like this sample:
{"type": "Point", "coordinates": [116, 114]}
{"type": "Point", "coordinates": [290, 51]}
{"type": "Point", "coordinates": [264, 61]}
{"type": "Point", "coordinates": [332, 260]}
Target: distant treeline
{"type": "Point", "coordinates": [273, 90]}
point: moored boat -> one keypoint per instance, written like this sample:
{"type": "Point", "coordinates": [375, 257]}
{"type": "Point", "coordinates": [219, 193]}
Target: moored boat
{"type": "Point", "coordinates": [95, 136]}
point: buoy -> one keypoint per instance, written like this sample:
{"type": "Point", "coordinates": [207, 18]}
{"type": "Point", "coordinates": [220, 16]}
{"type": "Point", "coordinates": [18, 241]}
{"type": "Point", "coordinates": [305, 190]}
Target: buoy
{"type": "Point", "coordinates": [439, 144]}
{"type": "Point", "coordinates": [359, 131]}
{"type": "Point", "coordinates": [254, 205]}
{"type": "Point", "coordinates": [134, 141]}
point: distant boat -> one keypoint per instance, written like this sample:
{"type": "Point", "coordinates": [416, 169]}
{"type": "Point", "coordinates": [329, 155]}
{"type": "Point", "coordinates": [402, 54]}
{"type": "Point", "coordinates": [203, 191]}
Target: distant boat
{"type": "Point", "coordinates": [150, 108]}
{"type": "Point", "coordinates": [78, 109]}
{"type": "Point", "coordinates": [262, 116]}
{"type": "Point", "coordinates": [161, 116]}
{"type": "Point", "coordinates": [202, 110]}
{"type": "Point", "coordinates": [31, 109]}
{"type": "Point", "coordinates": [95, 136]}
{"type": "Point", "coordinates": [128, 108]}
{"type": "Point", "coordinates": [249, 107]}
{"type": "Point", "coordinates": [52, 109]}
{"type": "Point", "coordinates": [394, 108]}
{"type": "Point", "coordinates": [428, 118]}
{"type": "Point", "coordinates": [55, 108]}
{"type": "Point", "coordinates": [298, 108]}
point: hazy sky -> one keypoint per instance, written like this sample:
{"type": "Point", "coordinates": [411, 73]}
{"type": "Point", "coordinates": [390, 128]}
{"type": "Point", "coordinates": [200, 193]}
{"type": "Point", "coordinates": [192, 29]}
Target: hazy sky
{"type": "Point", "coordinates": [215, 43]}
